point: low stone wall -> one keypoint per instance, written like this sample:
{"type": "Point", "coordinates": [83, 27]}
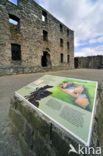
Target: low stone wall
{"type": "Point", "coordinates": [29, 69]}
{"type": "Point", "coordinates": [94, 62]}
{"type": "Point", "coordinates": [39, 136]}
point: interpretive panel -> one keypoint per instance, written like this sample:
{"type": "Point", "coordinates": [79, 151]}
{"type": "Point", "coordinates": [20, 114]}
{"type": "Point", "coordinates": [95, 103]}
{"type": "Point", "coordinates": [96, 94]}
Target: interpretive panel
{"type": "Point", "coordinates": [68, 102]}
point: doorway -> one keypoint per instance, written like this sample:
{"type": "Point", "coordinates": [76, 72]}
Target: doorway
{"type": "Point", "coordinates": [45, 61]}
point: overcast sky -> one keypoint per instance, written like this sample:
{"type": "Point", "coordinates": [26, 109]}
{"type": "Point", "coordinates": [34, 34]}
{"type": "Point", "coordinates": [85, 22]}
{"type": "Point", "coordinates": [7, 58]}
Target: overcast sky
{"type": "Point", "coordinates": [85, 17]}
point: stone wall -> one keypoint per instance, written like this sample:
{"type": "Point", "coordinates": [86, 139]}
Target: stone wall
{"type": "Point", "coordinates": [95, 62]}
{"type": "Point", "coordinates": [39, 136]}
{"type": "Point", "coordinates": [9, 70]}
{"type": "Point", "coordinates": [30, 35]}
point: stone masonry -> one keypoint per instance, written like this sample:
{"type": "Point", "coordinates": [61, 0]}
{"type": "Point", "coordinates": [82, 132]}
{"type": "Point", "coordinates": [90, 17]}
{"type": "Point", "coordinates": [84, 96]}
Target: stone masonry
{"type": "Point", "coordinates": [95, 62]}
{"type": "Point", "coordinates": [36, 40]}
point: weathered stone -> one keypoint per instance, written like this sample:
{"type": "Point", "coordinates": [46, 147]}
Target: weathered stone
{"type": "Point", "coordinates": [26, 151]}
{"type": "Point", "coordinates": [32, 117]}
{"type": "Point", "coordinates": [41, 148]}
{"type": "Point", "coordinates": [28, 133]}
{"type": "Point", "coordinates": [24, 69]}
{"type": "Point", "coordinates": [95, 62]}
{"type": "Point", "coordinates": [17, 119]}
{"type": "Point", "coordinates": [29, 35]}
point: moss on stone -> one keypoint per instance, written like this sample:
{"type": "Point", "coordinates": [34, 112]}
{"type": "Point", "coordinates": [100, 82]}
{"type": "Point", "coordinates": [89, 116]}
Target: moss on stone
{"type": "Point", "coordinates": [61, 146]}
{"type": "Point", "coordinates": [17, 120]}
{"type": "Point", "coordinates": [32, 117]}
{"type": "Point", "coordinates": [41, 148]}
{"type": "Point", "coordinates": [28, 134]}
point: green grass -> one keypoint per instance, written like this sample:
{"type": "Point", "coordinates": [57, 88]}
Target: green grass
{"type": "Point", "coordinates": [89, 91]}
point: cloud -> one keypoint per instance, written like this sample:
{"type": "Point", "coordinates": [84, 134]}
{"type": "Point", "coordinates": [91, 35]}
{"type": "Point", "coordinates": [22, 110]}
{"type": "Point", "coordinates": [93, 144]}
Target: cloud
{"type": "Point", "coordinates": [90, 51]}
{"type": "Point", "coordinates": [83, 16]}
{"type": "Point", "coordinates": [96, 40]}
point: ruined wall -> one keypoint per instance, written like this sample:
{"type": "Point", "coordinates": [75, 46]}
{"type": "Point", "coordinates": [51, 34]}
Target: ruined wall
{"type": "Point", "coordinates": [5, 51]}
{"type": "Point", "coordinates": [95, 62]}
{"type": "Point", "coordinates": [30, 36]}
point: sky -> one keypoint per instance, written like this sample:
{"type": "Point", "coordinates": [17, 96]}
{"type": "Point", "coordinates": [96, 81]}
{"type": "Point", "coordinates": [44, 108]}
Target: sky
{"type": "Point", "coordinates": [85, 18]}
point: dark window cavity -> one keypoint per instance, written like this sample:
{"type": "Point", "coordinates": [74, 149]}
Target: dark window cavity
{"type": "Point", "coordinates": [61, 42]}
{"type": "Point", "coordinates": [67, 45]}
{"type": "Point", "coordinates": [45, 35]}
{"type": "Point", "coordinates": [14, 23]}
{"type": "Point", "coordinates": [16, 52]}
{"type": "Point", "coordinates": [44, 16]}
{"type": "Point", "coordinates": [14, 20]}
{"type": "Point", "coordinates": [61, 28]}
{"type": "Point", "coordinates": [68, 58]}
{"type": "Point", "coordinates": [14, 1]}
{"type": "Point", "coordinates": [61, 58]}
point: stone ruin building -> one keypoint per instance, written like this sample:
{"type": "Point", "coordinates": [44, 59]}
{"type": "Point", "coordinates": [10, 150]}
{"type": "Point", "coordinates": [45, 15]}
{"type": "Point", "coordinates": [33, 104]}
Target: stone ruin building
{"type": "Point", "coordinates": [93, 62]}
{"type": "Point", "coordinates": [31, 39]}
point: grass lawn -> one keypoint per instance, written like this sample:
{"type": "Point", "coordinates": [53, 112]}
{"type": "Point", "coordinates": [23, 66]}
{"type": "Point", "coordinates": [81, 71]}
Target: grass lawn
{"type": "Point", "coordinates": [89, 91]}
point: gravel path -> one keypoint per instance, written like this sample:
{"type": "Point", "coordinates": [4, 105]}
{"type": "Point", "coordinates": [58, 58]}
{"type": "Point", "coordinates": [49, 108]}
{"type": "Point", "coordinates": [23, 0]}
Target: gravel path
{"type": "Point", "coordinates": [9, 145]}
